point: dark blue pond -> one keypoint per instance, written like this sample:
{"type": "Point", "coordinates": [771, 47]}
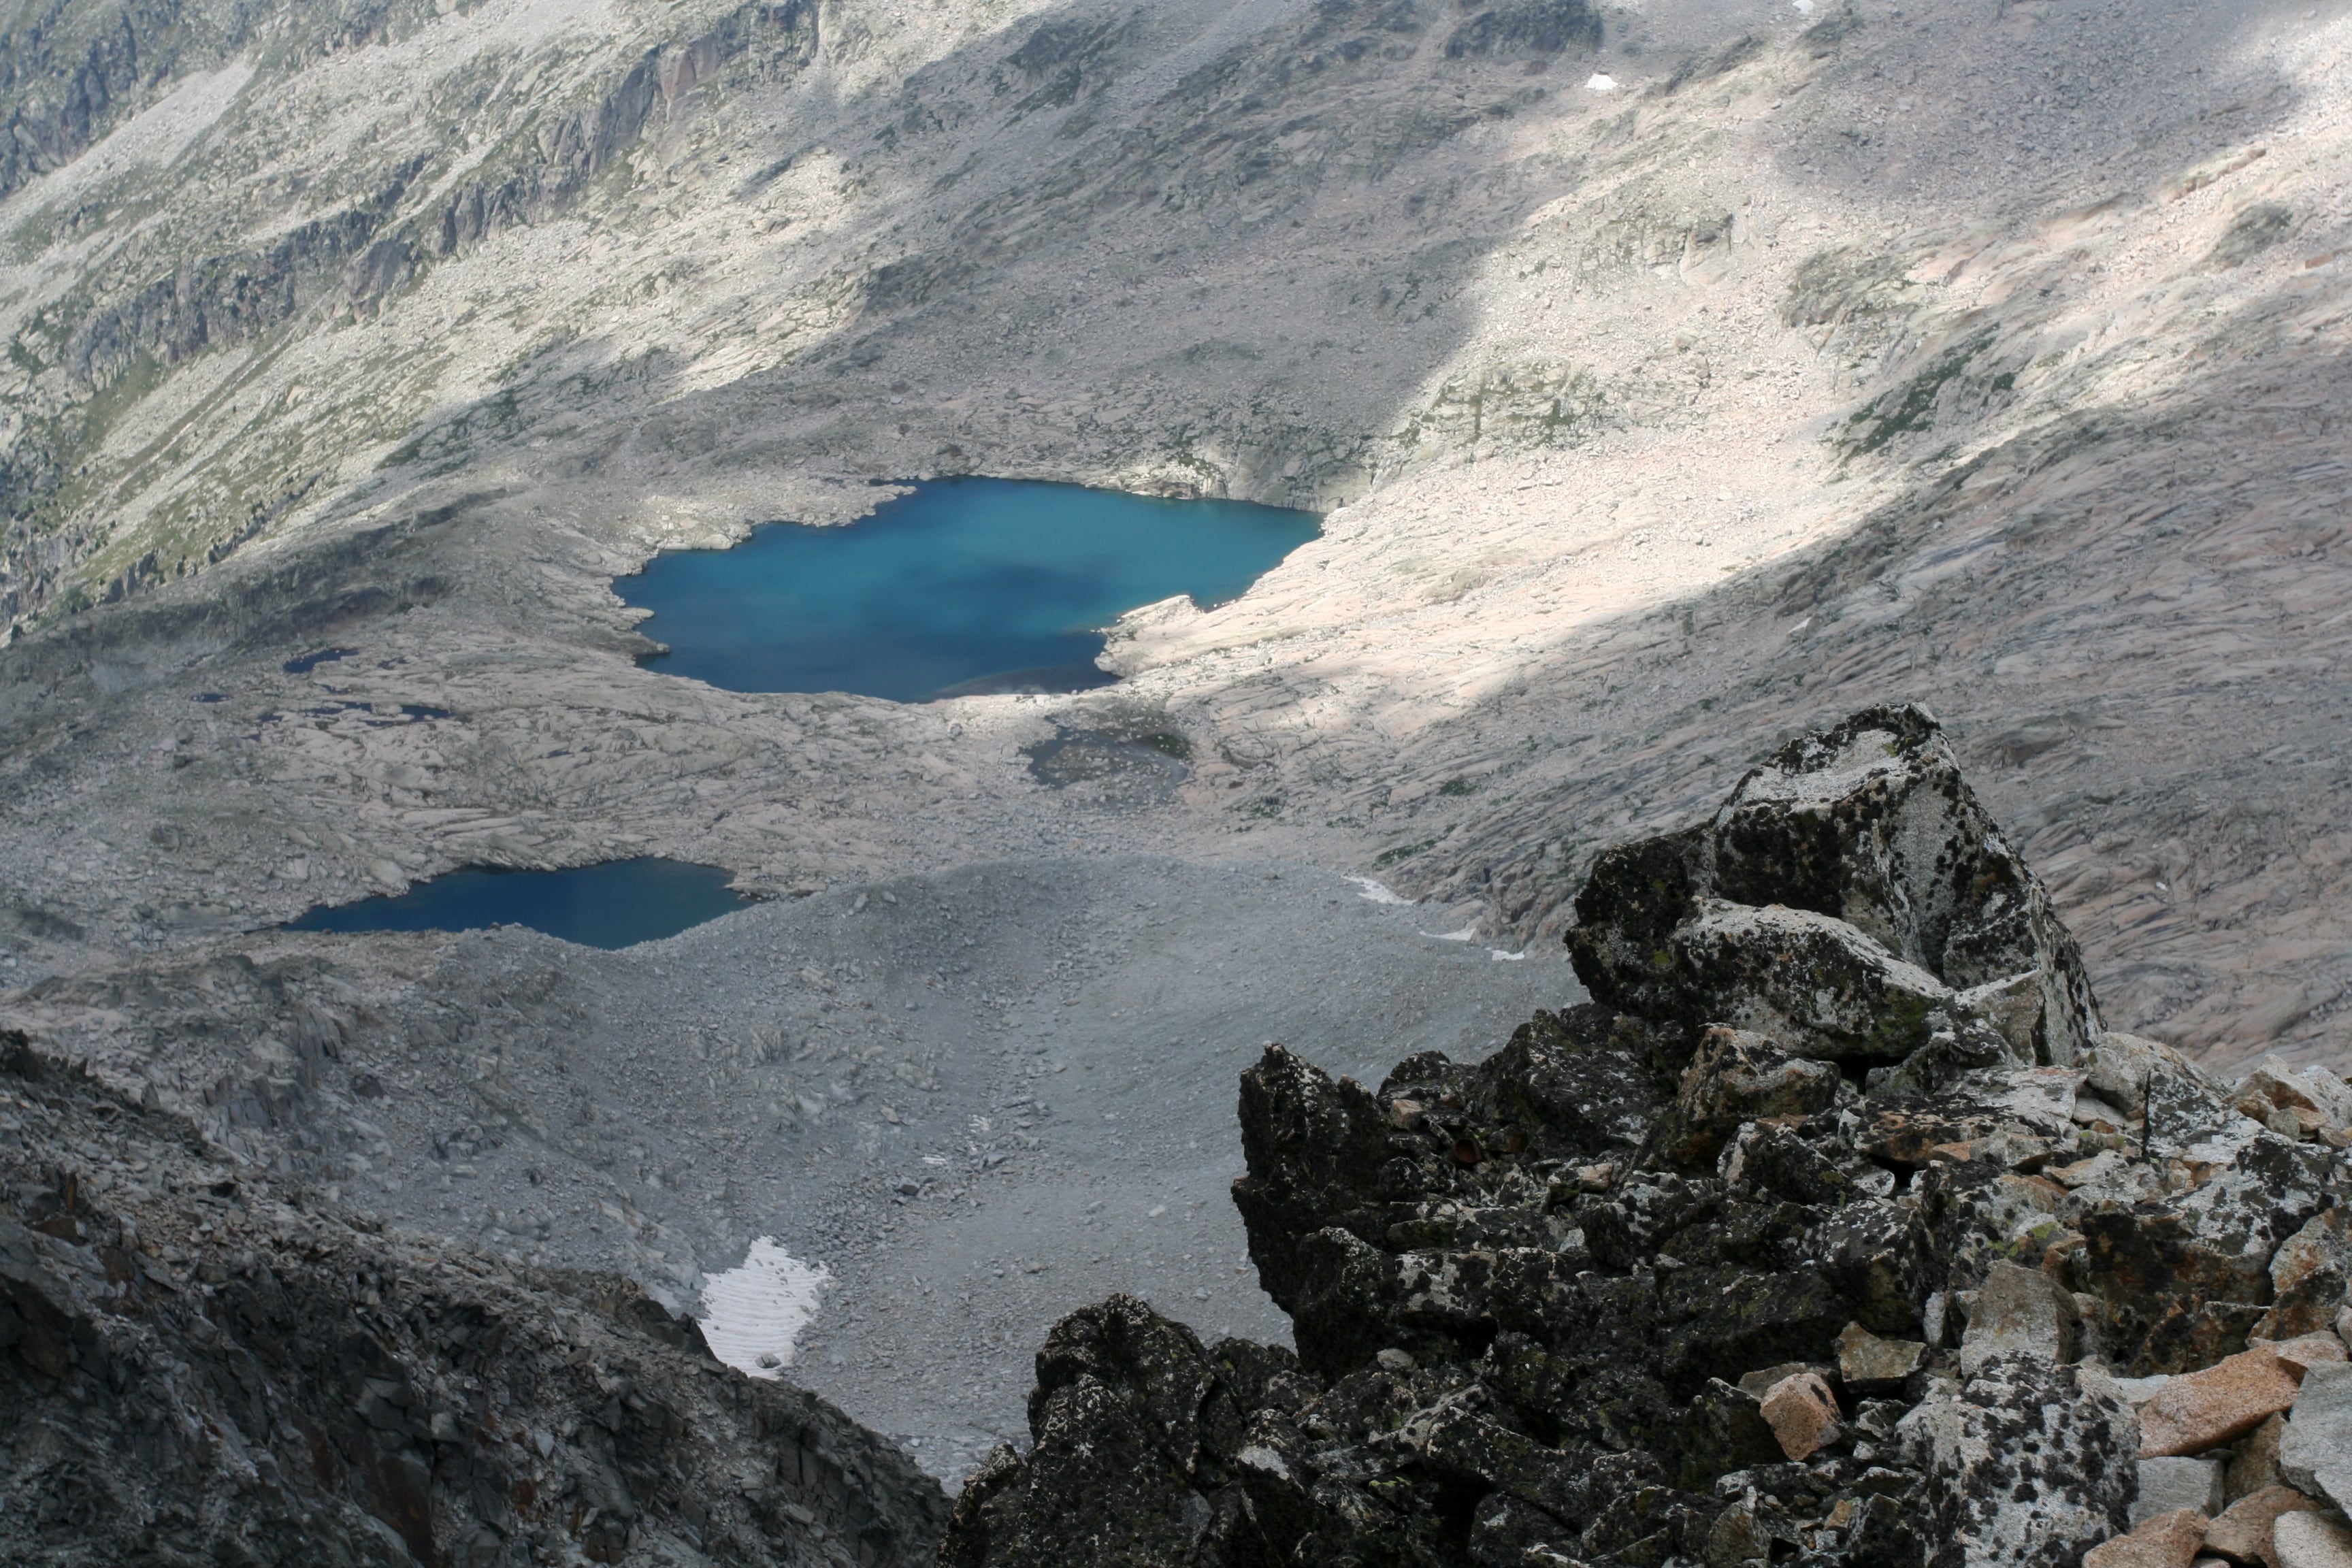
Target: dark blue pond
{"type": "Point", "coordinates": [963, 586]}
{"type": "Point", "coordinates": [616, 904]}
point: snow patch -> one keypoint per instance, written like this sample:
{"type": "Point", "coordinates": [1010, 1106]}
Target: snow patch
{"type": "Point", "coordinates": [1465, 934]}
{"type": "Point", "coordinates": [1598, 82]}
{"type": "Point", "coordinates": [1367, 888]}
{"type": "Point", "coordinates": [1499, 956]}
{"type": "Point", "coordinates": [757, 1309]}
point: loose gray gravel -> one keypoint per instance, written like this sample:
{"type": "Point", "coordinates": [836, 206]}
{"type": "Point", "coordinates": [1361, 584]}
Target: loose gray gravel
{"type": "Point", "coordinates": [979, 1099]}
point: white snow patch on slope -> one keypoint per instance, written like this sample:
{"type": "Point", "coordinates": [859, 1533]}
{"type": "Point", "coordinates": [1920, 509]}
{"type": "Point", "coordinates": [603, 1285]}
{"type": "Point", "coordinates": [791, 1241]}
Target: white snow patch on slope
{"type": "Point", "coordinates": [757, 1309]}
{"type": "Point", "coordinates": [1465, 934]}
{"type": "Point", "coordinates": [1367, 888]}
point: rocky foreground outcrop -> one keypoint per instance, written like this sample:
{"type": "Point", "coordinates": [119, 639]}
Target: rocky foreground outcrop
{"type": "Point", "coordinates": [200, 1363]}
{"type": "Point", "coordinates": [1837, 1230]}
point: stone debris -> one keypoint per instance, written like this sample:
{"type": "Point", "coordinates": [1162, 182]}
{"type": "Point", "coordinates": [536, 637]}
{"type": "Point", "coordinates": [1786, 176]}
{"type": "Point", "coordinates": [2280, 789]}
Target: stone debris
{"type": "Point", "coordinates": [1645, 1284]}
{"type": "Point", "coordinates": [2315, 1452]}
{"type": "Point", "coordinates": [2300, 1355]}
{"type": "Point", "coordinates": [2241, 1532]}
{"type": "Point", "coordinates": [1868, 1364]}
{"type": "Point", "coordinates": [2205, 1409]}
{"type": "Point", "coordinates": [1803, 910]}
{"type": "Point", "coordinates": [2019, 1311]}
{"type": "Point", "coordinates": [2309, 1275]}
{"type": "Point", "coordinates": [2256, 1464]}
{"type": "Point", "coordinates": [1858, 1321]}
{"type": "Point", "coordinates": [1762, 1381]}
{"type": "Point", "coordinates": [2025, 1464]}
{"type": "Point", "coordinates": [245, 1371]}
{"type": "Point", "coordinates": [2168, 1539]}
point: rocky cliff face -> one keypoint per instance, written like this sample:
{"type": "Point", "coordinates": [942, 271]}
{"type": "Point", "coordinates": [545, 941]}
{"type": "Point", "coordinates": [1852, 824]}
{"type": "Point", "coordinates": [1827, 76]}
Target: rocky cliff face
{"type": "Point", "coordinates": [199, 1363]}
{"type": "Point", "coordinates": [1832, 1233]}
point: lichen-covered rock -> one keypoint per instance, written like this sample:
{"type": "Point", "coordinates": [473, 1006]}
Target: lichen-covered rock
{"type": "Point", "coordinates": [2183, 1278]}
{"type": "Point", "coordinates": [2029, 1465]}
{"type": "Point", "coordinates": [2019, 1311]}
{"type": "Point", "coordinates": [1849, 886]}
{"type": "Point", "coordinates": [1136, 1434]}
{"type": "Point", "coordinates": [1870, 1365]}
{"type": "Point", "coordinates": [1627, 1293]}
{"type": "Point", "coordinates": [1737, 1076]}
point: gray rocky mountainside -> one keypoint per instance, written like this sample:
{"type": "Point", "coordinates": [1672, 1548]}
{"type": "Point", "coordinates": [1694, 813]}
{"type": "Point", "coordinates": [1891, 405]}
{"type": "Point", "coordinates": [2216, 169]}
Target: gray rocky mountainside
{"type": "Point", "coordinates": [198, 1365]}
{"type": "Point", "coordinates": [1692, 391]}
{"type": "Point", "coordinates": [1838, 1228]}
{"type": "Point", "coordinates": [1982, 354]}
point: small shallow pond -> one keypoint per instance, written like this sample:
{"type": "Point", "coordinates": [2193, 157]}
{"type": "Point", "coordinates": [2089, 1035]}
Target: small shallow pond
{"type": "Point", "coordinates": [963, 586]}
{"type": "Point", "coordinates": [617, 904]}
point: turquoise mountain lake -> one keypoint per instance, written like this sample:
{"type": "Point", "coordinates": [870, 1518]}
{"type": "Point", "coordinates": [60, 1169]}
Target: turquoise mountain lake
{"type": "Point", "coordinates": [617, 904]}
{"type": "Point", "coordinates": [961, 587]}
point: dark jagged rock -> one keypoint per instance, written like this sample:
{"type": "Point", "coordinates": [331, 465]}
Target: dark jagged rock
{"type": "Point", "coordinates": [1844, 1084]}
{"type": "Point", "coordinates": [200, 1363]}
{"type": "Point", "coordinates": [1739, 1077]}
{"type": "Point", "coordinates": [1524, 27]}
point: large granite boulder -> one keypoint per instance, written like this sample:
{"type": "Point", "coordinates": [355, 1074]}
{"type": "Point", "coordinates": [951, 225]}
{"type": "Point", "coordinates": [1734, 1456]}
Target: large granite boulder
{"type": "Point", "coordinates": [2028, 1465]}
{"type": "Point", "coordinates": [1851, 890]}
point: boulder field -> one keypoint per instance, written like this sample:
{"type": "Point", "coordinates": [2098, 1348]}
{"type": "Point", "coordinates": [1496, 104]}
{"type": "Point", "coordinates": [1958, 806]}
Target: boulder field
{"type": "Point", "coordinates": [1836, 1228]}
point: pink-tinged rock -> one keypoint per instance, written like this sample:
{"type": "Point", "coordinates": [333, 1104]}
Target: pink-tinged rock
{"type": "Point", "coordinates": [2242, 1532]}
{"type": "Point", "coordinates": [2303, 1354]}
{"type": "Point", "coordinates": [1803, 1414]}
{"type": "Point", "coordinates": [2310, 1541]}
{"type": "Point", "coordinates": [2168, 1541]}
{"type": "Point", "coordinates": [2205, 1409]}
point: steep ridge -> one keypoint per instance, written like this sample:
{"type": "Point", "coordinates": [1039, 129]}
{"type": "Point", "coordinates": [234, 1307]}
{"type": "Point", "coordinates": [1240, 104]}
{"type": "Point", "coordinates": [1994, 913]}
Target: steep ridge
{"type": "Point", "coordinates": [1836, 1229]}
{"type": "Point", "coordinates": [200, 1362]}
